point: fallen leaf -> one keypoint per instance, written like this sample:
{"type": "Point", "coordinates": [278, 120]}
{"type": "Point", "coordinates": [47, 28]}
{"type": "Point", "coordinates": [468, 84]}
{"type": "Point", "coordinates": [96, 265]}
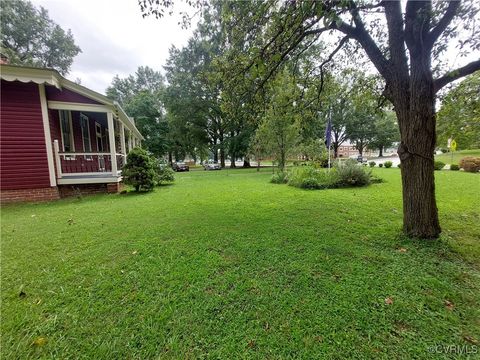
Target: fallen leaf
{"type": "Point", "coordinates": [470, 339]}
{"type": "Point", "coordinates": [449, 305]}
{"type": "Point", "coordinates": [266, 326]}
{"type": "Point", "coordinates": [135, 252]}
{"type": "Point", "coordinates": [33, 215]}
{"type": "Point", "coordinates": [402, 250]}
{"type": "Point", "coordinates": [39, 341]}
{"type": "Point", "coordinates": [388, 301]}
{"type": "Point", "coordinates": [251, 344]}
{"type": "Point", "coordinates": [70, 221]}
{"type": "Point", "coordinates": [22, 294]}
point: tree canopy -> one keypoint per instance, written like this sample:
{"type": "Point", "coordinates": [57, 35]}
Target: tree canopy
{"type": "Point", "coordinates": [30, 37]}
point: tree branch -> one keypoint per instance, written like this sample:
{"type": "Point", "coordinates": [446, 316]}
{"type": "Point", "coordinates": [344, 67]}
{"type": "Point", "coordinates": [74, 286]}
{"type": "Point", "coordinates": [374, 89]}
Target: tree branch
{"type": "Point", "coordinates": [435, 33]}
{"type": "Point", "coordinates": [360, 34]}
{"type": "Point", "coordinates": [456, 74]}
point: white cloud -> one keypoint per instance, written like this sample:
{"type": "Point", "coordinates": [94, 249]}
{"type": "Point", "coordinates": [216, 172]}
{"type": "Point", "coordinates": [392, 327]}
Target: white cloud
{"type": "Point", "coordinates": [114, 38]}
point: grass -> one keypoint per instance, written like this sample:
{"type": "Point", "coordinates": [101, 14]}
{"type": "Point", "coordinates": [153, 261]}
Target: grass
{"type": "Point", "coordinates": [449, 158]}
{"type": "Point", "coordinates": [227, 265]}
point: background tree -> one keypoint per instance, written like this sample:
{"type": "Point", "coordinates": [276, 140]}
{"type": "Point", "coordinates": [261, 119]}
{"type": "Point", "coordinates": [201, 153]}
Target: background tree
{"type": "Point", "coordinates": [279, 130]}
{"type": "Point", "coordinates": [31, 38]}
{"type": "Point", "coordinates": [141, 95]}
{"type": "Point", "coordinates": [385, 132]}
{"type": "Point", "coordinates": [459, 116]}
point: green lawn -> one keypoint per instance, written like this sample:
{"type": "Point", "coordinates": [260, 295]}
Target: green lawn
{"type": "Point", "coordinates": [449, 158]}
{"type": "Point", "coordinates": [225, 265]}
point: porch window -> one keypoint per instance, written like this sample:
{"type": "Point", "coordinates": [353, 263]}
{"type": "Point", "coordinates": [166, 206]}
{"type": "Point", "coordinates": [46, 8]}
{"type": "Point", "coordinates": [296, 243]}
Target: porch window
{"type": "Point", "coordinates": [87, 145]}
{"type": "Point", "coordinates": [66, 130]}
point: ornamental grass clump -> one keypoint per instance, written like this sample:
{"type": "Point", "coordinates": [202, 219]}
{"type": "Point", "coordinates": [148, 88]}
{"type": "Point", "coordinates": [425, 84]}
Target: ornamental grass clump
{"type": "Point", "coordinates": [351, 174]}
{"type": "Point", "coordinates": [140, 170]}
{"type": "Point", "coordinates": [310, 177]}
{"type": "Point", "coordinates": [343, 174]}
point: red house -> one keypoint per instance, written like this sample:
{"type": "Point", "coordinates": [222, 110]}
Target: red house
{"type": "Point", "coordinates": [58, 138]}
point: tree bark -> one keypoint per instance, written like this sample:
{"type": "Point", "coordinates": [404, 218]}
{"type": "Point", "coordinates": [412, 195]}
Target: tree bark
{"type": "Point", "coordinates": [380, 151]}
{"type": "Point", "coordinates": [416, 116]}
{"type": "Point", "coordinates": [246, 162]}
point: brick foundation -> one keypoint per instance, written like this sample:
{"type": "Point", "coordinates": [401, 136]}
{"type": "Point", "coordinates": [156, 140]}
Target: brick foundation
{"type": "Point", "coordinates": [55, 193]}
{"type": "Point", "coordinates": [29, 195]}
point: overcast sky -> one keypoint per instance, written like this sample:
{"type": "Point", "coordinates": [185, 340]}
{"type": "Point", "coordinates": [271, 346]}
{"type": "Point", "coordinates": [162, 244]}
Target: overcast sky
{"type": "Point", "coordinates": [114, 38]}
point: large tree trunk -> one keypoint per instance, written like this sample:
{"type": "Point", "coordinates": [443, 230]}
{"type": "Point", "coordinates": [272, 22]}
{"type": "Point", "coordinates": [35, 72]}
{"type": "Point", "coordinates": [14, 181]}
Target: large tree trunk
{"type": "Point", "coordinates": [416, 116]}
{"type": "Point", "coordinates": [380, 151]}
{"type": "Point", "coordinates": [246, 162]}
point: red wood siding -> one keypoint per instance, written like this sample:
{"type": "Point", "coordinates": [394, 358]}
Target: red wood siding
{"type": "Point", "coordinates": [23, 154]}
{"type": "Point", "coordinates": [66, 95]}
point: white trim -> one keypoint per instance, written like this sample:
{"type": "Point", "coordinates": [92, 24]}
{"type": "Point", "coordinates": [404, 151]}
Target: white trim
{"type": "Point", "coordinates": [72, 106]}
{"type": "Point", "coordinates": [28, 74]}
{"type": "Point", "coordinates": [111, 136]}
{"type": "Point", "coordinates": [106, 173]}
{"type": "Point", "coordinates": [93, 180]}
{"type": "Point", "coordinates": [57, 158]}
{"type": "Point", "coordinates": [48, 137]}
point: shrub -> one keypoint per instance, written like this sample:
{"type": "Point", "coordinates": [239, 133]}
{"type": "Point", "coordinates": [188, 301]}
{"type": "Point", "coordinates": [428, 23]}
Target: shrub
{"type": "Point", "coordinates": [372, 163]}
{"type": "Point", "coordinates": [139, 171]}
{"type": "Point", "coordinates": [380, 165]}
{"type": "Point", "coordinates": [454, 167]}
{"type": "Point", "coordinates": [438, 165]}
{"type": "Point", "coordinates": [470, 164]}
{"type": "Point", "coordinates": [310, 177]}
{"type": "Point", "coordinates": [165, 174]}
{"type": "Point", "coordinates": [388, 164]}
{"type": "Point", "coordinates": [399, 166]}
{"type": "Point", "coordinates": [350, 174]}
{"type": "Point", "coordinates": [279, 178]}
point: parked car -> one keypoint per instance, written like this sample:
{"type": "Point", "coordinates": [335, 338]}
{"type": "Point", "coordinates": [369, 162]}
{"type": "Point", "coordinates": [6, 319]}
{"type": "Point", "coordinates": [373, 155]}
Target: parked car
{"type": "Point", "coordinates": [361, 159]}
{"type": "Point", "coordinates": [180, 166]}
{"type": "Point", "coordinates": [211, 165]}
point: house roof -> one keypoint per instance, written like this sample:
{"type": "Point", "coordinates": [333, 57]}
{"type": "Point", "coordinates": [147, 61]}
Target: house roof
{"type": "Point", "coordinates": [52, 77]}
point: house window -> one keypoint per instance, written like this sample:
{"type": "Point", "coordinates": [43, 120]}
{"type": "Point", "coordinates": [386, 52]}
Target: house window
{"type": "Point", "coordinates": [87, 144]}
{"type": "Point", "coordinates": [98, 133]}
{"type": "Point", "coordinates": [66, 130]}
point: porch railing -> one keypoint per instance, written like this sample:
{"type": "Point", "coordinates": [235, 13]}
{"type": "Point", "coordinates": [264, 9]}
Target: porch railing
{"type": "Point", "coordinates": [86, 163]}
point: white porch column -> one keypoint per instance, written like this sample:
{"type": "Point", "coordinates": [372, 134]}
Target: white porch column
{"type": "Point", "coordinates": [122, 138]}
{"type": "Point", "coordinates": [111, 138]}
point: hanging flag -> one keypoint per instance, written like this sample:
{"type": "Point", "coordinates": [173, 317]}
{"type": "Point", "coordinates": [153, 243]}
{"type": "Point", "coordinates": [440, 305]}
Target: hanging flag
{"type": "Point", "coordinates": [328, 133]}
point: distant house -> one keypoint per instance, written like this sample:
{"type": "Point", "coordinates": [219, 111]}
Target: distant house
{"type": "Point", "coordinates": [347, 150]}
{"type": "Point", "coordinates": [58, 138]}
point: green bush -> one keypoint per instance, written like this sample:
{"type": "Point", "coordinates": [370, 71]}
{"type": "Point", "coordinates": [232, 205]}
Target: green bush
{"type": "Point", "coordinates": [351, 174]}
{"type": "Point", "coordinates": [372, 163]}
{"type": "Point", "coordinates": [165, 174]}
{"type": "Point", "coordinates": [399, 166]}
{"type": "Point", "coordinates": [470, 164]}
{"type": "Point", "coordinates": [454, 167]}
{"type": "Point", "coordinates": [388, 164]}
{"type": "Point", "coordinates": [140, 170]}
{"type": "Point", "coordinates": [279, 178]}
{"type": "Point", "coordinates": [380, 165]}
{"type": "Point", "coordinates": [438, 165]}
